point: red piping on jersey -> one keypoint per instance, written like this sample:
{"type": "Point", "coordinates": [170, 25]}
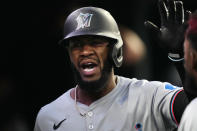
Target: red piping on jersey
{"type": "Point", "coordinates": [172, 105]}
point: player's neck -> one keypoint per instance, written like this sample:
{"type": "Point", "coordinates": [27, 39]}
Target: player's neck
{"type": "Point", "coordinates": [88, 98]}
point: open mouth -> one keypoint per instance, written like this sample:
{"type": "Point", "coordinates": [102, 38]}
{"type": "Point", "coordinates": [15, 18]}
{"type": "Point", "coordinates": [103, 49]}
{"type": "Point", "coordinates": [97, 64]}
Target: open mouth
{"type": "Point", "coordinates": [88, 68]}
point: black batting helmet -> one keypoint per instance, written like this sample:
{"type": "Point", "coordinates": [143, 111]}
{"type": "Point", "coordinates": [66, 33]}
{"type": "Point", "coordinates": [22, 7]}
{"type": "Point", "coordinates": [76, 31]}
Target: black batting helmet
{"type": "Point", "coordinates": [98, 22]}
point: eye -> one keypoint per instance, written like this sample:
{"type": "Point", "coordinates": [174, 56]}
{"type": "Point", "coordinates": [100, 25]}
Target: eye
{"type": "Point", "coordinates": [75, 44]}
{"type": "Point", "coordinates": [98, 43]}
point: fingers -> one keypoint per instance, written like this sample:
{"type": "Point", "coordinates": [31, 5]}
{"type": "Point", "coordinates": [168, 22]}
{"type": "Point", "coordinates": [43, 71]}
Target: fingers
{"type": "Point", "coordinates": [172, 10]}
{"type": "Point", "coordinates": [181, 15]}
{"type": "Point", "coordinates": [179, 12]}
{"type": "Point", "coordinates": [164, 13]}
{"type": "Point", "coordinates": [167, 9]}
{"type": "Point", "coordinates": [187, 15]}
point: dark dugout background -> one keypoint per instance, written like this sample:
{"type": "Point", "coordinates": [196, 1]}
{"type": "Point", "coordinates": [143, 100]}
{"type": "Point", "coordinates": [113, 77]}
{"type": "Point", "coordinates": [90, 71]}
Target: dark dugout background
{"type": "Point", "coordinates": [34, 69]}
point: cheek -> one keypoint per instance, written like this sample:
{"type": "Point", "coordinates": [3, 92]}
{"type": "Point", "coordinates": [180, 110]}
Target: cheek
{"type": "Point", "coordinates": [188, 62]}
{"type": "Point", "coordinates": [186, 52]}
{"type": "Point", "coordinates": [103, 57]}
{"type": "Point", "coordinates": [73, 58]}
{"type": "Point", "coordinates": [186, 59]}
{"type": "Point", "coordinates": [185, 45]}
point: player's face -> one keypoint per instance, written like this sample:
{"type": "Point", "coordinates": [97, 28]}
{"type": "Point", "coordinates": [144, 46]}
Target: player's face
{"type": "Point", "coordinates": [88, 55]}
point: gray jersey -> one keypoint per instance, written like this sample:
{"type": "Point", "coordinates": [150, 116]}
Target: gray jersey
{"type": "Point", "coordinates": [133, 105]}
{"type": "Point", "coordinates": [189, 118]}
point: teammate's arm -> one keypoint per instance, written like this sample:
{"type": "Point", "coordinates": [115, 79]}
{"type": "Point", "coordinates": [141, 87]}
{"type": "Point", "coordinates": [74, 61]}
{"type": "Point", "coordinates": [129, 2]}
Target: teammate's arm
{"type": "Point", "coordinates": [171, 38]}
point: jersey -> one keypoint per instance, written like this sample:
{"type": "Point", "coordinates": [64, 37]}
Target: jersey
{"type": "Point", "coordinates": [133, 105]}
{"type": "Point", "coordinates": [189, 118]}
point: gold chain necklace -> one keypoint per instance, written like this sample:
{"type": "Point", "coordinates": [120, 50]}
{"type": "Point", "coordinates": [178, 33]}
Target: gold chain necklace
{"type": "Point", "coordinates": [81, 114]}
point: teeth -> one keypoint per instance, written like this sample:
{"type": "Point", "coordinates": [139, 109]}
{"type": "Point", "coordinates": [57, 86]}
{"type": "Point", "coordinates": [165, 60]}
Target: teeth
{"type": "Point", "coordinates": [88, 70]}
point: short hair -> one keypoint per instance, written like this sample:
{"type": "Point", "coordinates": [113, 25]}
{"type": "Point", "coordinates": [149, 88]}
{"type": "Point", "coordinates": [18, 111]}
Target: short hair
{"type": "Point", "coordinates": [191, 32]}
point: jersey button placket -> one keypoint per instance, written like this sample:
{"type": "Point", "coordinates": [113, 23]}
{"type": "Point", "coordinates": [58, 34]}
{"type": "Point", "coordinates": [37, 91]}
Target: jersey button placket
{"type": "Point", "coordinates": [89, 118]}
{"type": "Point", "coordinates": [90, 114]}
{"type": "Point", "coordinates": [91, 126]}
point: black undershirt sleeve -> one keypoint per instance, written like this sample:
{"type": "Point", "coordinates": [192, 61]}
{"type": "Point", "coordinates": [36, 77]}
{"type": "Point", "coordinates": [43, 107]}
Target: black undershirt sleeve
{"type": "Point", "coordinates": [179, 105]}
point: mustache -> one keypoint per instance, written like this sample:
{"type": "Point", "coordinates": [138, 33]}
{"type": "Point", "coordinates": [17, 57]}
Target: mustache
{"type": "Point", "coordinates": [87, 58]}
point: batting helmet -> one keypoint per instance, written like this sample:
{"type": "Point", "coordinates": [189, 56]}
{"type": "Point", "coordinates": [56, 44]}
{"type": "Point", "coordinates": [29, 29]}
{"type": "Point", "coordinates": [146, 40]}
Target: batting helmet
{"type": "Point", "coordinates": [98, 22]}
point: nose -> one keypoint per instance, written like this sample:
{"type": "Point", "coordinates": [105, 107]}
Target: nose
{"type": "Point", "coordinates": [86, 50]}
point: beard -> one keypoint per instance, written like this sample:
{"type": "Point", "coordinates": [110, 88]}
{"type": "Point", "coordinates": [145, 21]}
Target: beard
{"type": "Point", "coordinates": [96, 85]}
{"type": "Point", "coordinates": [190, 86]}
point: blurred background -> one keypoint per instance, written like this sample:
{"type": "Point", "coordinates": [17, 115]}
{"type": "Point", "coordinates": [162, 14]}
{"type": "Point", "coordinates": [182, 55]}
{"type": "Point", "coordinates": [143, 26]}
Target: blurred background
{"type": "Point", "coordinates": [35, 70]}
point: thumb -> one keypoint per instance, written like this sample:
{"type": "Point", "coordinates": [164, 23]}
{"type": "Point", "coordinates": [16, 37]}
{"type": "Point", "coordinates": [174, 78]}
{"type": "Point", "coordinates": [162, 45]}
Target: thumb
{"type": "Point", "coordinates": [151, 26]}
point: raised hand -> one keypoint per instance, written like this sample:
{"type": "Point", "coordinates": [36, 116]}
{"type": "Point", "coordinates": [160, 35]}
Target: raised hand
{"type": "Point", "coordinates": [172, 28]}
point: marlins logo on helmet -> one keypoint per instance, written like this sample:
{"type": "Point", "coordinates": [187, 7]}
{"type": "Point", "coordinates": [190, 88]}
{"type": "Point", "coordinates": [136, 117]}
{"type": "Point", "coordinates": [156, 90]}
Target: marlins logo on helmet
{"type": "Point", "coordinates": [83, 20]}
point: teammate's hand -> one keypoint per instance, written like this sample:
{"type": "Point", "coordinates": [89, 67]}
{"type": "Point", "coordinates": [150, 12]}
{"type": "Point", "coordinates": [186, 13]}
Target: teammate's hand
{"type": "Point", "coordinates": [172, 29]}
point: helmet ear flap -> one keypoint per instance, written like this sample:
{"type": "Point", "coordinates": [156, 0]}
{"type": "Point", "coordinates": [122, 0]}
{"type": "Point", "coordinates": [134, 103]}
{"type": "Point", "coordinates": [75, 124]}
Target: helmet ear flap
{"type": "Point", "coordinates": [117, 55]}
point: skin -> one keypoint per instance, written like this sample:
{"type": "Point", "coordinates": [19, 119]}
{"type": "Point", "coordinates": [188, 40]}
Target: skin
{"type": "Point", "coordinates": [190, 56]}
{"type": "Point", "coordinates": [85, 49]}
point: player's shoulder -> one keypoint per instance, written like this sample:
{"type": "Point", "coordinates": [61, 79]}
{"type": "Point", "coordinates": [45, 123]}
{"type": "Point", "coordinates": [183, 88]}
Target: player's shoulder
{"type": "Point", "coordinates": [131, 81]}
{"type": "Point", "coordinates": [139, 82]}
{"type": "Point", "coordinates": [144, 83]}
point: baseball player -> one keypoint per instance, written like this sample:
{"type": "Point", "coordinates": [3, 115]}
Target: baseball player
{"type": "Point", "coordinates": [101, 100]}
{"type": "Point", "coordinates": [189, 119]}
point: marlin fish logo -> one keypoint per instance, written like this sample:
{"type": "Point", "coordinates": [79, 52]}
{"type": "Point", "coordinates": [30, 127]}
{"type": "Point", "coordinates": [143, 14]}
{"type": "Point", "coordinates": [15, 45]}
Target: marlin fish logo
{"type": "Point", "coordinates": [83, 20]}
